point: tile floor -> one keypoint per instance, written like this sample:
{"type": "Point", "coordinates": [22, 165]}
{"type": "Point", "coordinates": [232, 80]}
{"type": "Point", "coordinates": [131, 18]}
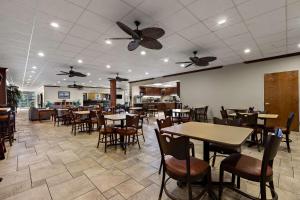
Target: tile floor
{"type": "Point", "coordinates": [47, 162]}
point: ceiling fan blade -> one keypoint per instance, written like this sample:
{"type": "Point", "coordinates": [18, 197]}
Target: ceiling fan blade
{"type": "Point", "coordinates": [62, 74]}
{"type": "Point", "coordinates": [119, 38]}
{"type": "Point", "coordinates": [127, 30]}
{"type": "Point", "coordinates": [202, 63]}
{"type": "Point", "coordinates": [152, 32]}
{"type": "Point", "coordinates": [183, 62]}
{"type": "Point", "coordinates": [194, 59]}
{"type": "Point", "coordinates": [79, 74]}
{"type": "Point", "coordinates": [188, 65]}
{"type": "Point", "coordinates": [122, 79]}
{"type": "Point", "coordinates": [150, 43]}
{"type": "Point", "coordinates": [208, 59]}
{"type": "Point", "coordinates": [133, 45]}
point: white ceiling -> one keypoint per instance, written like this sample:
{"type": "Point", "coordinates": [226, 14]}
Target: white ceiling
{"type": "Point", "coordinates": [267, 27]}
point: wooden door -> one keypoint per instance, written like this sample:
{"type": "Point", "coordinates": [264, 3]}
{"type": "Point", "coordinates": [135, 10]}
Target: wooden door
{"type": "Point", "coordinates": [281, 97]}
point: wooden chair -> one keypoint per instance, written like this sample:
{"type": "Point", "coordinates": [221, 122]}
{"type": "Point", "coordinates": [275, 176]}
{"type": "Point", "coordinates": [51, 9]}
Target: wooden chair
{"type": "Point", "coordinates": [7, 126]}
{"type": "Point", "coordinates": [58, 117]}
{"type": "Point", "coordinates": [169, 113]}
{"type": "Point", "coordinates": [224, 114]}
{"type": "Point", "coordinates": [250, 121]}
{"type": "Point", "coordinates": [105, 132]}
{"type": "Point", "coordinates": [201, 114]}
{"type": "Point", "coordinates": [130, 130]}
{"type": "Point", "coordinates": [76, 123]}
{"type": "Point", "coordinates": [164, 123]}
{"type": "Point", "coordinates": [286, 131]}
{"type": "Point", "coordinates": [186, 117]}
{"type": "Point", "coordinates": [180, 166]}
{"type": "Point", "coordinates": [223, 150]}
{"type": "Point", "coordinates": [140, 126]}
{"type": "Point", "coordinates": [93, 120]}
{"type": "Point", "coordinates": [253, 169]}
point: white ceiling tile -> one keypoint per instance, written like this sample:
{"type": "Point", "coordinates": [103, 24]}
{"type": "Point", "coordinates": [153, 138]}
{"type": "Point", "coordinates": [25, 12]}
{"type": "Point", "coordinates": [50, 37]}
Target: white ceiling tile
{"type": "Point", "coordinates": [94, 22]}
{"type": "Point", "coordinates": [204, 9]}
{"type": "Point", "coordinates": [293, 23]}
{"type": "Point", "coordinates": [270, 23]}
{"type": "Point", "coordinates": [293, 10]}
{"type": "Point", "coordinates": [194, 31]}
{"type": "Point", "coordinates": [134, 3]}
{"type": "Point", "coordinates": [240, 1]}
{"type": "Point", "coordinates": [294, 33]}
{"type": "Point", "coordinates": [254, 8]}
{"type": "Point", "coordinates": [112, 9]}
{"type": "Point", "coordinates": [187, 2]}
{"type": "Point", "coordinates": [231, 15]}
{"type": "Point", "coordinates": [137, 15]}
{"type": "Point", "coordinates": [271, 38]}
{"type": "Point", "coordinates": [82, 3]}
{"type": "Point", "coordinates": [206, 39]}
{"type": "Point", "coordinates": [179, 21]}
{"type": "Point", "coordinates": [71, 48]}
{"type": "Point", "coordinates": [231, 31]}
{"type": "Point", "coordinates": [61, 9]}
{"type": "Point", "coordinates": [84, 33]}
{"type": "Point", "coordinates": [158, 9]}
{"type": "Point", "coordinates": [239, 39]}
{"type": "Point", "coordinates": [14, 10]}
{"type": "Point", "coordinates": [75, 41]}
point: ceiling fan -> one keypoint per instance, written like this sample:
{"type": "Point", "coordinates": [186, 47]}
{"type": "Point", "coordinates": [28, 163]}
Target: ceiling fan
{"type": "Point", "coordinates": [74, 85]}
{"type": "Point", "coordinates": [146, 37]}
{"type": "Point", "coordinates": [72, 73]}
{"type": "Point", "coordinates": [204, 61]}
{"type": "Point", "coordinates": [118, 79]}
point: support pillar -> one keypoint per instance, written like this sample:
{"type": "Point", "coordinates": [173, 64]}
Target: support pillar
{"type": "Point", "coordinates": [3, 86]}
{"type": "Point", "coordinates": [113, 93]}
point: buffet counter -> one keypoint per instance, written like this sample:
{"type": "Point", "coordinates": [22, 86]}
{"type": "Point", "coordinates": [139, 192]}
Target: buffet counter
{"type": "Point", "coordinates": [161, 106]}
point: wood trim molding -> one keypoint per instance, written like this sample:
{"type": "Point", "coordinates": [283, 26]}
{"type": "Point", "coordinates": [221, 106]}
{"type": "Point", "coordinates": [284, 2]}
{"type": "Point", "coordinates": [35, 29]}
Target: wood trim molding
{"type": "Point", "coordinates": [273, 58]}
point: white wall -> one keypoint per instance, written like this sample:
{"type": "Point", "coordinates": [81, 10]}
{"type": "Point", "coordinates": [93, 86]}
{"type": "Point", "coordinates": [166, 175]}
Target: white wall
{"type": "Point", "coordinates": [240, 85]}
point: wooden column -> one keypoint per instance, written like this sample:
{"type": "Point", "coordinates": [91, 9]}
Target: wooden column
{"type": "Point", "coordinates": [113, 92]}
{"type": "Point", "coordinates": [178, 88]}
{"type": "Point", "coordinates": [3, 86]}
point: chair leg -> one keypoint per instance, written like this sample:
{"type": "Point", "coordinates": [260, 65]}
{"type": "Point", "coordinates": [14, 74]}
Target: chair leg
{"type": "Point", "coordinates": [287, 140]}
{"type": "Point", "coordinates": [238, 182]}
{"type": "Point", "coordinates": [105, 142]}
{"type": "Point", "coordinates": [162, 184]}
{"type": "Point", "coordinates": [257, 142]}
{"type": "Point", "coordinates": [221, 182]}
{"type": "Point", "coordinates": [99, 138]}
{"type": "Point", "coordinates": [160, 167]}
{"type": "Point", "coordinates": [193, 151]}
{"type": "Point", "coordinates": [263, 190]}
{"type": "Point", "coordinates": [125, 143]}
{"type": "Point", "coordinates": [138, 141]}
{"type": "Point", "coordinates": [214, 159]}
{"type": "Point", "coordinates": [143, 135]}
{"type": "Point", "coordinates": [272, 188]}
{"type": "Point", "coordinates": [190, 190]}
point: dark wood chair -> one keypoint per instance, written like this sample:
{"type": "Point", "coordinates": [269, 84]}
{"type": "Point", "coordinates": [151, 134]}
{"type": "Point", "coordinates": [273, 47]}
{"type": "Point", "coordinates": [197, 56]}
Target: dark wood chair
{"type": "Point", "coordinates": [129, 131]}
{"type": "Point", "coordinates": [77, 123]}
{"type": "Point", "coordinates": [286, 131]}
{"type": "Point", "coordinates": [105, 132]}
{"type": "Point", "coordinates": [164, 123]}
{"type": "Point", "coordinates": [253, 169]}
{"type": "Point", "coordinates": [141, 126]}
{"type": "Point", "coordinates": [7, 126]}
{"type": "Point", "coordinates": [250, 121]}
{"type": "Point", "coordinates": [180, 166]}
{"type": "Point", "coordinates": [186, 117]}
{"type": "Point", "coordinates": [201, 114]}
{"type": "Point", "coordinates": [219, 150]}
{"type": "Point", "coordinates": [169, 113]}
{"type": "Point", "coordinates": [58, 117]}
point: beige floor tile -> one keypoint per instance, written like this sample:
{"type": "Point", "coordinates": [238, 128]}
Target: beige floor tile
{"type": "Point", "coordinates": [94, 171]}
{"type": "Point", "coordinates": [129, 188]}
{"type": "Point", "coordinates": [64, 157]}
{"type": "Point", "coordinates": [46, 172]}
{"type": "Point", "coordinates": [37, 193]}
{"type": "Point", "coordinates": [80, 165]}
{"type": "Point", "coordinates": [110, 193]}
{"type": "Point", "coordinates": [71, 189]}
{"type": "Point", "coordinates": [92, 195]}
{"type": "Point", "coordinates": [140, 171]}
{"type": "Point", "coordinates": [109, 179]}
{"type": "Point", "coordinates": [60, 178]}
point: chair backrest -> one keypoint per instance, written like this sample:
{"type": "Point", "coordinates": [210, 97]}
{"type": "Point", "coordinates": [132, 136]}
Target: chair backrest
{"type": "Point", "coordinates": [224, 114]}
{"type": "Point", "coordinates": [248, 120]}
{"type": "Point", "coordinates": [228, 122]}
{"type": "Point", "coordinates": [290, 121]}
{"type": "Point", "coordinates": [251, 110]}
{"type": "Point", "coordinates": [177, 147]}
{"type": "Point", "coordinates": [271, 148]}
{"type": "Point", "coordinates": [5, 118]}
{"type": "Point", "coordinates": [163, 123]}
{"type": "Point", "coordinates": [168, 113]}
{"type": "Point", "coordinates": [222, 108]}
{"type": "Point", "coordinates": [220, 121]}
{"type": "Point", "coordinates": [132, 121]}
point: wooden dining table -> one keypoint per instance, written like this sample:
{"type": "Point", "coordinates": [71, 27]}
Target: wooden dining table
{"type": "Point", "coordinates": [83, 112]}
{"type": "Point", "coordinates": [211, 133]}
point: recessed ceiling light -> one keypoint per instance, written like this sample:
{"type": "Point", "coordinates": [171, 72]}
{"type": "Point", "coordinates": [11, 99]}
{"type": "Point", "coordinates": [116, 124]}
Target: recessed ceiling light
{"type": "Point", "coordinates": [64, 79]}
{"type": "Point", "coordinates": [129, 70]}
{"type": "Point", "coordinates": [41, 54]}
{"type": "Point", "coordinates": [299, 45]}
{"type": "Point", "coordinates": [30, 76]}
{"type": "Point", "coordinates": [247, 50]}
{"type": "Point", "coordinates": [108, 66]}
{"type": "Point", "coordinates": [79, 61]}
{"type": "Point", "coordinates": [143, 53]}
{"type": "Point", "coordinates": [54, 24]}
{"type": "Point", "coordinates": [182, 65]}
{"type": "Point", "coordinates": [146, 73]}
{"type": "Point", "coordinates": [88, 74]}
{"type": "Point", "coordinates": [107, 41]}
{"type": "Point", "coordinates": [222, 21]}
{"type": "Point", "coordinates": [166, 60]}
{"type": "Point", "coordinates": [99, 79]}
{"type": "Point", "coordinates": [90, 81]}
{"type": "Point", "coordinates": [34, 67]}
{"type": "Point", "coordinates": [33, 72]}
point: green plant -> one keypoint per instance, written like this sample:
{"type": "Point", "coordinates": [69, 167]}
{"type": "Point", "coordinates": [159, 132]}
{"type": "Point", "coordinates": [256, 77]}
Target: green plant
{"type": "Point", "coordinates": [48, 104]}
{"type": "Point", "coordinates": [13, 96]}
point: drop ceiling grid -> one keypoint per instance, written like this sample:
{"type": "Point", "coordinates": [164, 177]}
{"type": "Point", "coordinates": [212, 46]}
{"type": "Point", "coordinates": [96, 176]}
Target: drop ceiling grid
{"type": "Point", "coordinates": [228, 44]}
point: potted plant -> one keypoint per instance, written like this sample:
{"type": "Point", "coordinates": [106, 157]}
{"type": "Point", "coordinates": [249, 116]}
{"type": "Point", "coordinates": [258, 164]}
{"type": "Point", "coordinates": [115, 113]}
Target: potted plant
{"type": "Point", "coordinates": [13, 96]}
